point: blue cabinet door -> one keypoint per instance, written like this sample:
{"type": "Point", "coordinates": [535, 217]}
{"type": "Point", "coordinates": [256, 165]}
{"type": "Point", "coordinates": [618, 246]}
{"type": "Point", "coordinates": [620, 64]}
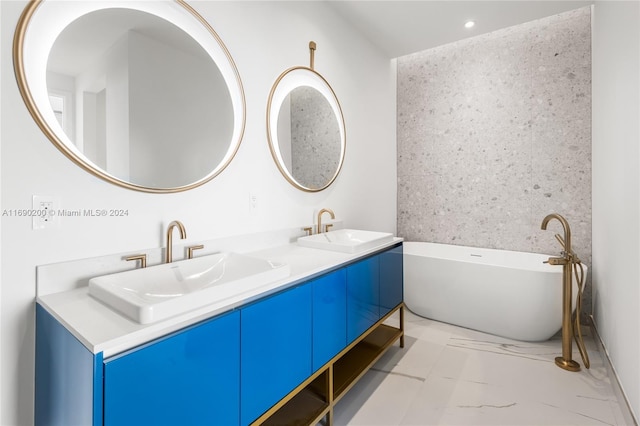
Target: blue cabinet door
{"type": "Point", "coordinates": [390, 280]}
{"type": "Point", "coordinates": [276, 349]}
{"type": "Point", "coordinates": [329, 316]}
{"type": "Point", "coordinates": [363, 296]}
{"type": "Point", "coordinates": [68, 377]}
{"type": "Point", "coordinates": [189, 378]}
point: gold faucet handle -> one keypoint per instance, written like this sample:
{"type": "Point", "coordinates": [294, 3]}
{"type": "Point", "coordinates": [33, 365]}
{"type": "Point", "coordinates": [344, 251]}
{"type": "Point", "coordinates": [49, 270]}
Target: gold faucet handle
{"type": "Point", "coordinates": [556, 261]}
{"type": "Point", "coordinates": [327, 226]}
{"type": "Point", "coordinates": [141, 257]}
{"type": "Point", "coordinates": [308, 230]}
{"type": "Point", "coordinates": [561, 241]}
{"type": "Point", "coordinates": [191, 249]}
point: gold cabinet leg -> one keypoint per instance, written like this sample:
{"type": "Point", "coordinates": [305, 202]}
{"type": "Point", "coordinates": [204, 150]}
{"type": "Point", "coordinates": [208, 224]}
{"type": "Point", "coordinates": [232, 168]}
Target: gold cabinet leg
{"type": "Point", "coordinates": [330, 395]}
{"type": "Point", "coordinates": [402, 325]}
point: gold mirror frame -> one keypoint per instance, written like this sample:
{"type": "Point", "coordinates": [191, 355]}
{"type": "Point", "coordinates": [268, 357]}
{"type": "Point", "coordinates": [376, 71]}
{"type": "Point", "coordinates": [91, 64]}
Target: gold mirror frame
{"type": "Point", "coordinates": [205, 34]}
{"type": "Point", "coordinates": [278, 92]}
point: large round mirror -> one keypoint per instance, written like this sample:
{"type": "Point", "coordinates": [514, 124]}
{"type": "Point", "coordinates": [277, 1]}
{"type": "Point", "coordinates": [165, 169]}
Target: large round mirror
{"type": "Point", "coordinates": [142, 94]}
{"type": "Point", "coordinates": [305, 128]}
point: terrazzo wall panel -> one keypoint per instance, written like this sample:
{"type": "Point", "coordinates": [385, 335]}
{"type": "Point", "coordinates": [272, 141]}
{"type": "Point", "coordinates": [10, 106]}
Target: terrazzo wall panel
{"type": "Point", "coordinates": [315, 136]}
{"type": "Point", "coordinates": [494, 133]}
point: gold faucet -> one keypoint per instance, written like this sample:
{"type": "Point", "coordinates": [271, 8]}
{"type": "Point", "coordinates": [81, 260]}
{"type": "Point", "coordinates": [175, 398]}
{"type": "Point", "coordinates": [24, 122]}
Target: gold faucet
{"type": "Point", "coordinates": [183, 235]}
{"type": "Point", "coordinates": [568, 260]}
{"type": "Point", "coordinates": [333, 216]}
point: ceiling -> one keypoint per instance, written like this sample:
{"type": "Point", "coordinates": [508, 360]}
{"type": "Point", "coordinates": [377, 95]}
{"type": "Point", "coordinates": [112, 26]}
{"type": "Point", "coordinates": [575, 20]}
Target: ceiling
{"type": "Point", "coordinates": [396, 27]}
{"type": "Point", "coordinates": [400, 27]}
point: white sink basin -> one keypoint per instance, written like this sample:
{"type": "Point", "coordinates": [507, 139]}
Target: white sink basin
{"type": "Point", "coordinates": [346, 240]}
{"type": "Point", "coordinates": [155, 293]}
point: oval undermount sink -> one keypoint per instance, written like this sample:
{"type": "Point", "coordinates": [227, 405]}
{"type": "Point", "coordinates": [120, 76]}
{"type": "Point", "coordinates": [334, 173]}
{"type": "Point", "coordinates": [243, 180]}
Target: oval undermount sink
{"type": "Point", "coordinates": [346, 240]}
{"type": "Point", "coordinates": [158, 292]}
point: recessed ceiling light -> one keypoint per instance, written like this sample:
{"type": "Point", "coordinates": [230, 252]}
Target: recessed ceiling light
{"type": "Point", "coordinates": [469, 24]}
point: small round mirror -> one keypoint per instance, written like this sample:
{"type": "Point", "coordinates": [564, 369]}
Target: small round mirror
{"type": "Point", "coordinates": [305, 128]}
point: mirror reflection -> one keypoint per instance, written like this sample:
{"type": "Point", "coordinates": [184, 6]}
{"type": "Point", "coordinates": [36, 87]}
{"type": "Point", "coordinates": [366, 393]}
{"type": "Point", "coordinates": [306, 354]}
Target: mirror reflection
{"type": "Point", "coordinates": [309, 137]}
{"type": "Point", "coordinates": [140, 98]}
{"type": "Point", "coordinates": [305, 128]}
{"type": "Point", "coordinates": [142, 94]}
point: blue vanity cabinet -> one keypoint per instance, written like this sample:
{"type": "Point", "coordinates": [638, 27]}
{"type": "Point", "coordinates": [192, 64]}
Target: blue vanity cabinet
{"type": "Point", "coordinates": [363, 296]}
{"type": "Point", "coordinates": [276, 349]}
{"type": "Point", "coordinates": [189, 378]}
{"type": "Point", "coordinates": [329, 316]}
{"type": "Point", "coordinates": [234, 368]}
{"type": "Point", "coordinates": [68, 377]}
{"type": "Point", "coordinates": [391, 276]}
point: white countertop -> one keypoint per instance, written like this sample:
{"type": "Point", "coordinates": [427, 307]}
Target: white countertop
{"type": "Point", "coordinates": [102, 329]}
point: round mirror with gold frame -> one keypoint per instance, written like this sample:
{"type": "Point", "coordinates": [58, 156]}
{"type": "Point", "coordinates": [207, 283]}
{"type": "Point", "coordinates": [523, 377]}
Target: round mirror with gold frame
{"type": "Point", "coordinates": [144, 95]}
{"type": "Point", "coordinates": [305, 128]}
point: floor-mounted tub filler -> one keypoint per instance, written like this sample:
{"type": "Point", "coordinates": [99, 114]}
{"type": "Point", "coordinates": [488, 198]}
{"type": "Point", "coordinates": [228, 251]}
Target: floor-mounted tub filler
{"type": "Point", "coordinates": [571, 265]}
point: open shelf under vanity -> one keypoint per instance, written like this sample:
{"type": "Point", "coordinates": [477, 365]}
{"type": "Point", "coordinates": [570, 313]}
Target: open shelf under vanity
{"type": "Point", "coordinates": [312, 402]}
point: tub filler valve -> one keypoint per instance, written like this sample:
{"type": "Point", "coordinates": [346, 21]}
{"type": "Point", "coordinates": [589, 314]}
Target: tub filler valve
{"type": "Point", "coordinates": [556, 261]}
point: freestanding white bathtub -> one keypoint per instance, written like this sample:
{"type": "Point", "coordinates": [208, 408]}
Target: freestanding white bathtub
{"type": "Point", "coordinates": [506, 293]}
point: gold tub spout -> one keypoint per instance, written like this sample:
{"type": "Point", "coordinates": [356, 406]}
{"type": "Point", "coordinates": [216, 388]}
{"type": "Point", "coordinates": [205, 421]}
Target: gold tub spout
{"type": "Point", "coordinates": [567, 261]}
{"type": "Point", "coordinates": [566, 243]}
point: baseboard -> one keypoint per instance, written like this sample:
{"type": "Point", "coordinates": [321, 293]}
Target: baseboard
{"type": "Point", "coordinates": [625, 407]}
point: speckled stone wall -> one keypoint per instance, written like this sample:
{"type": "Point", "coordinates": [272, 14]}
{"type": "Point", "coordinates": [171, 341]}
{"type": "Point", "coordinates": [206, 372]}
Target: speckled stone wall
{"type": "Point", "coordinates": [315, 136]}
{"type": "Point", "coordinates": [494, 133]}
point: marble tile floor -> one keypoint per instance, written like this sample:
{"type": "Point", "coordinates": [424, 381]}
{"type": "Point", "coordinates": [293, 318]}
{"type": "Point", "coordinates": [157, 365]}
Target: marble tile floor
{"type": "Point", "coordinates": [449, 375]}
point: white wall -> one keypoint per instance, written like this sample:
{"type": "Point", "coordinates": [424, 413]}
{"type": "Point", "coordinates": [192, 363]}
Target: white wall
{"type": "Point", "coordinates": [158, 119]}
{"type": "Point", "coordinates": [264, 39]}
{"type": "Point", "coordinates": [1, 207]}
{"type": "Point", "coordinates": [117, 117]}
{"type": "Point", "coordinates": [616, 188]}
